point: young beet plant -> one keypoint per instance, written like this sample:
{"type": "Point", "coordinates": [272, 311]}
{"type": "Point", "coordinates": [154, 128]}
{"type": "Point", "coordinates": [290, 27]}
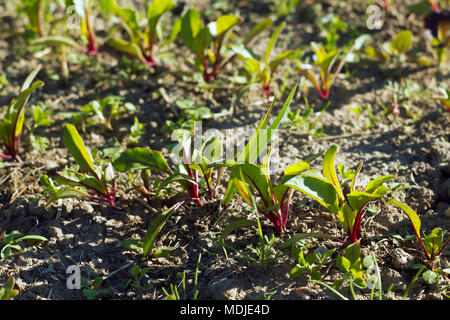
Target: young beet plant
{"type": "Point", "coordinates": [141, 44]}
{"type": "Point", "coordinates": [143, 160]}
{"type": "Point", "coordinates": [92, 181]}
{"type": "Point", "coordinates": [265, 68]}
{"type": "Point", "coordinates": [82, 8]}
{"type": "Point", "coordinates": [187, 174]}
{"type": "Point", "coordinates": [325, 60]}
{"type": "Point", "coordinates": [248, 177]}
{"type": "Point", "coordinates": [209, 42]}
{"type": "Point", "coordinates": [275, 199]}
{"type": "Point", "coordinates": [326, 190]}
{"type": "Point", "coordinates": [433, 244]}
{"type": "Point", "coordinates": [12, 123]}
{"type": "Point", "coordinates": [256, 145]}
{"type": "Point", "coordinates": [77, 10]}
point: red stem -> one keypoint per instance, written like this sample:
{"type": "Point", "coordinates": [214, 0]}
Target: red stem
{"type": "Point", "coordinates": [286, 210]}
{"type": "Point", "coordinates": [4, 156]}
{"type": "Point", "coordinates": [434, 5]}
{"type": "Point", "coordinates": [266, 90]}
{"type": "Point", "coordinates": [193, 188]}
{"type": "Point", "coordinates": [92, 50]}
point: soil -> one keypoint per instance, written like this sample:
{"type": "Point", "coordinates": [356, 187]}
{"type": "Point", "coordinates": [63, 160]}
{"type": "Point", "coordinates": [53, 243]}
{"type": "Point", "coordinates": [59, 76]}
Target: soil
{"type": "Point", "coordinates": [414, 147]}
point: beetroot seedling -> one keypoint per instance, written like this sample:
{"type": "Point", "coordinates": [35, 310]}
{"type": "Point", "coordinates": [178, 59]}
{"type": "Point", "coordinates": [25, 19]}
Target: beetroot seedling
{"type": "Point", "coordinates": [347, 203]}
{"type": "Point", "coordinates": [187, 174]}
{"type": "Point", "coordinates": [325, 60]}
{"type": "Point", "coordinates": [83, 8]}
{"type": "Point", "coordinates": [13, 121]}
{"type": "Point", "coordinates": [432, 244]}
{"type": "Point", "coordinates": [7, 291]}
{"type": "Point", "coordinates": [265, 68]}
{"type": "Point", "coordinates": [10, 242]}
{"type": "Point", "coordinates": [257, 143]}
{"type": "Point", "coordinates": [77, 10]}
{"type": "Point", "coordinates": [142, 43]}
{"type": "Point", "coordinates": [94, 182]}
{"type": "Point", "coordinates": [275, 199]}
{"type": "Point", "coordinates": [196, 164]}
{"type": "Point", "coordinates": [144, 160]}
{"type": "Point", "coordinates": [210, 43]}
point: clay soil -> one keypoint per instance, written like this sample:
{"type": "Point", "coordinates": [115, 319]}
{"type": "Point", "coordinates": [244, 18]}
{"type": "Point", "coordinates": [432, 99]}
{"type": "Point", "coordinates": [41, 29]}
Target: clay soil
{"type": "Point", "coordinates": [414, 147]}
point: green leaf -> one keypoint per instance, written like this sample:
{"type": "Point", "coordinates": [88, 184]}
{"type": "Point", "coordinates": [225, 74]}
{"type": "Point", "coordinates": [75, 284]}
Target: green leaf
{"type": "Point", "coordinates": [155, 11]}
{"type": "Point", "coordinates": [402, 42]}
{"type": "Point", "coordinates": [374, 184]}
{"type": "Point", "coordinates": [141, 158]}
{"type": "Point", "coordinates": [69, 177]}
{"type": "Point", "coordinates": [317, 188]}
{"type": "Point", "coordinates": [279, 59]}
{"type": "Point", "coordinates": [5, 252]}
{"type": "Point", "coordinates": [343, 264]}
{"type": "Point", "coordinates": [272, 41]}
{"type": "Point", "coordinates": [433, 241]}
{"type": "Point", "coordinates": [298, 270]}
{"type": "Point", "coordinates": [222, 25]}
{"type": "Point", "coordinates": [93, 183]}
{"type": "Point", "coordinates": [66, 193]}
{"type": "Point", "coordinates": [133, 244]}
{"type": "Point", "coordinates": [26, 84]}
{"type": "Point", "coordinates": [78, 150]}
{"type": "Point", "coordinates": [127, 47]}
{"type": "Point", "coordinates": [12, 124]}
{"type": "Point", "coordinates": [7, 291]}
{"type": "Point", "coordinates": [155, 227]}
{"type": "Point", "coordinates": [412, 215]}
{"type": "Point", "coordinates": [358, 199]}
{"type": "Point", "coordinates": [296, 168]}
{"type": "Point", "coordinates": [261, 138]}
{"type": "Point", "coordinates": [259, 141]}
{"type": "Point", "coordinates": [55, 41]}
{"type": "Point", "coordinates": [162, 251]}
{"type": "Point", "coordinates": [33, 238]}
{"type": "Point", "coordinates": [430, 277]}
{"type": "Point", "coordinates": [353, 254]}
{"type": "Point", "coordinates": [329, 170]}
{"type": "Point", "coordinates": [252, 175]}
{"type": "Point", "coordinates": [316, 275]}
{"type": "Point", "coordinates": [368, 262]}
{"type": "Point", "coordinates": [355, 176]}
{"type": "Point", "coordinates": [191, 28]}
{"type": "Point", "coordinates": [347, 216]}
{"type": "Point", "coordinates": [176, 28]}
